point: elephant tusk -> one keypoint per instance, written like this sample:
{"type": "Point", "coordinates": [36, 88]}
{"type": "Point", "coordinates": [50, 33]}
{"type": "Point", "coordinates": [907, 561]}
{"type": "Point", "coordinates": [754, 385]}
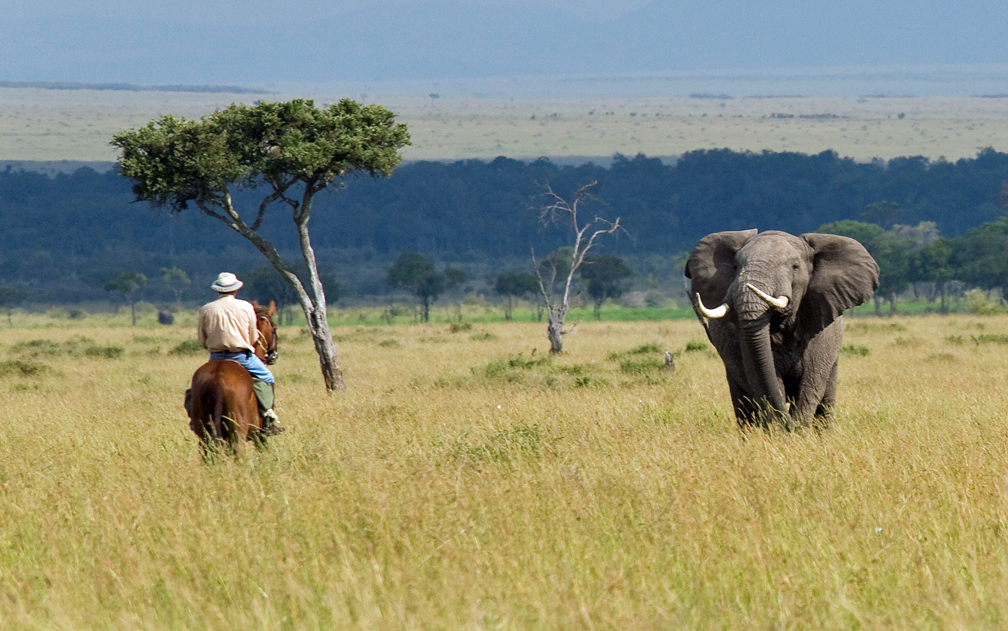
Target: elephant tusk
{"type": "Point", "coordinates": [776, 303]}
{"type": "Point", "coordinates": [711, 314]}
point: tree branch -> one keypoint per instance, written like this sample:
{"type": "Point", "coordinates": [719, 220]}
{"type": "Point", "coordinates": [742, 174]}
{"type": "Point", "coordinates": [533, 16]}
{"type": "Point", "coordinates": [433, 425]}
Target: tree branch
{"type": "Point", "coordinates": [279, 189]}
{"type": "Point", "coordinates": [234, 221]}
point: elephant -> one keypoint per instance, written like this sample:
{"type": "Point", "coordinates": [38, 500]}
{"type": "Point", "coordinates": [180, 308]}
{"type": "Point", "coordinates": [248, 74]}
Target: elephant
{"type": "Point", "coordinates": [777, 317]}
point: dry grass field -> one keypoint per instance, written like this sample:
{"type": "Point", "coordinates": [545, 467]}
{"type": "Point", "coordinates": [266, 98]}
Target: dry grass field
{"type": "Point", "coordinates": [466, 481]}
{"type": "Point", "coordinates": [37, 124]}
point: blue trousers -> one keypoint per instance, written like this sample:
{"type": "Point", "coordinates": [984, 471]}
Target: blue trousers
{"type": "Point", "coordinates": [253, 364]}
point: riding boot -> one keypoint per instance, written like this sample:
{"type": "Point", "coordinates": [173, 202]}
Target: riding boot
{"type": "Point", "coordinates": [264, 397]}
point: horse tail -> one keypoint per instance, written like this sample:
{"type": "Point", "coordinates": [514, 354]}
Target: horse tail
{"type": "Point", "coordinates": [217, 421]}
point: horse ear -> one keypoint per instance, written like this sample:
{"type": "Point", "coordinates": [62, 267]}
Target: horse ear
{"type": "Point", "coordinates": [272, 308]}
{"type": "Point", "coordinates": [255, 304]}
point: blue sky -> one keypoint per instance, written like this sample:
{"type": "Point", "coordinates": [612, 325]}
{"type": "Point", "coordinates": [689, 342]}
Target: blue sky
{"type": "Point", "coordinates": [259, 42]}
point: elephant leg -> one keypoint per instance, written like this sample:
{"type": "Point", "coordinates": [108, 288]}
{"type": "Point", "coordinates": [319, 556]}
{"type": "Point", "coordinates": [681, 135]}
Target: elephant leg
{"type": "Point", "coordinates": [817, 393]}
{"type": "Point", "coordinates": [824, 412]}
{"type": "Point", "coordinates": [746, 410]}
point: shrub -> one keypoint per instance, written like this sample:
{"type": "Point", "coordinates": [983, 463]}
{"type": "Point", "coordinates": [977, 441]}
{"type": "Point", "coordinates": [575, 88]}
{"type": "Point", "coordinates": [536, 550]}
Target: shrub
{"type": "Point", "coordinates": [975, 301]}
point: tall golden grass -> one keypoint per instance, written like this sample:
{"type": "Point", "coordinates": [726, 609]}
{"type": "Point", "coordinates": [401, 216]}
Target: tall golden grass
{"type": "Point", "coordinates": [464, 480]}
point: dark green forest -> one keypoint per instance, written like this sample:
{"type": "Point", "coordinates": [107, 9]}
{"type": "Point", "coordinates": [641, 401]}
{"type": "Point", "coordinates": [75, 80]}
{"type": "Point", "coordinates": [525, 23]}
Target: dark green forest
{"type": "Point", "coordinates": [67, 235]}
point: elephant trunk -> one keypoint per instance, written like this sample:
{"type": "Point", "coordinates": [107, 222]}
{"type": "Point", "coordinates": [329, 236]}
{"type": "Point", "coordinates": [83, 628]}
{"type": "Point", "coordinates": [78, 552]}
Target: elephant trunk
{"type": "Point", "coordinates": [757, 358]}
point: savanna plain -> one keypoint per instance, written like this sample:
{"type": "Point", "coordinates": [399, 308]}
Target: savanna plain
{"type": "Point", "coordinates": [55, 125]}
{"type": "Point", "coordinates": [466, 479]}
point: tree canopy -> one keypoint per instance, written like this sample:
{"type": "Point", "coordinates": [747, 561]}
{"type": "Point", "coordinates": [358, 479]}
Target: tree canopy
{"type": "Point", "coordinates": [292, 149]}
{"type": "Point", "coordinates": [415, 272]}
{"type": "Point", "coordinates": [128, 283]}
{"type": "Point", "coordinates": [605, 275]}
{"type": "Point", "coordinates": [513, 285]}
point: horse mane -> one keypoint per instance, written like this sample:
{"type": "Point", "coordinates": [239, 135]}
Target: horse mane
{"type": "Point", "coordinates": [262, 310]}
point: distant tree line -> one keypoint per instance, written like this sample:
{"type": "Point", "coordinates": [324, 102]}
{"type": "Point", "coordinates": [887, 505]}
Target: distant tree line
{"type": "Point", "coordinates": [67, 236]}
{"type": "Point", "coordinates": [919, 259]}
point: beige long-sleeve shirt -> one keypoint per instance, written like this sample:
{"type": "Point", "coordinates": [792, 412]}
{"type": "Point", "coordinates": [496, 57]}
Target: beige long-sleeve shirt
{"type": "Point", "coordinates": [227, 324]}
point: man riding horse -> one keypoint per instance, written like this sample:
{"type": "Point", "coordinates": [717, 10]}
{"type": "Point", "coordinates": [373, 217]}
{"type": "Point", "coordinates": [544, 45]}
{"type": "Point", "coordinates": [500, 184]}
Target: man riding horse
{"type": "Point", "coordinates": [227, 328]}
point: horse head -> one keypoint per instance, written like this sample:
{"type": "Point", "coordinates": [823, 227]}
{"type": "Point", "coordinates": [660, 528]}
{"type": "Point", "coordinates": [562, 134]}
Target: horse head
{"type": "Point", "coordinates": [266, 345]}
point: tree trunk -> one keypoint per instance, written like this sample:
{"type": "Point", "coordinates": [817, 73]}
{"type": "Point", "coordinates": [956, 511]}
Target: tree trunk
{"type": "Point", "coordinates": [332, 371]}
{"type": "Point", "coordinates": [554, 330]}
{"type": "Point", "coordinates": [878, 305]}
{"type": "Point", "coordinates": [314, 306]}
{"type": "Point", "coordinates": [133, 309]}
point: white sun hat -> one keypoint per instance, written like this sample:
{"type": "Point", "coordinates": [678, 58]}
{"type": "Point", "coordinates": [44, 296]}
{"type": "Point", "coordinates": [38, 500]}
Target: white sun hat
{"type": "Point", "coordinates": [226, 283]}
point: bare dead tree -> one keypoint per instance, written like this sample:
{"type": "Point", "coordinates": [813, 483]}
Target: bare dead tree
{"type": "Point", "coordinates": [556, 211]}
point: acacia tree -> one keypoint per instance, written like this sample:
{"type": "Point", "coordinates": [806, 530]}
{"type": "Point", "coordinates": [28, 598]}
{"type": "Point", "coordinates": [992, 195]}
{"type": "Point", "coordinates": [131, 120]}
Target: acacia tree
{"type": "Point", "coordinates": [10, 297]}
{"type": "Point", "coordinates": [604, 275]}
{"type": "Point", "coordinates": [128, 283]}
{"type": "Point", "coordinates": [415, 272]}
{"type": "Point", "coordinates": [177, 280]}
{"type": "Point", "coordinates": [514, 285]}
{"type": "Point", "coordinates": [292, 149]}
{"type": "Point", "coordinates": [556, 211]}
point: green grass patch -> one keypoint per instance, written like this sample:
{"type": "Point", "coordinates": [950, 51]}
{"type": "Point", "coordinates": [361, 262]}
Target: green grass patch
{"type": "Point", "coordinates": [74, 347]}
{"type": "Point", "coordinates": [641, 366]}
{"type": "Point", "coordinates": [482, 336]}
{"type": "Point", "coordinates": [506, 446]}
{"type": "Point", "coordinates": [108, 351]}
{"type": "Point", "coordinates": [501, 366]}
{"type": "Point", "coordinates": [694, 346]}
{"type": "Point", "coordinates": [538, 371]}
{"type": "Point", "coordinates": [876, 327]}
{"type": "Point", "coordinates": [21, 367]}
{"type": "Point", "coordinates": [389, 344]}
{"type": "Point", "coordinates": [990, 338]}
{"type": "Point", "coordinates": [855, 349]}
{"type": "Point", "coordinates": [644, 349]}
{"type": "Point", "coordinates": [187, 347]}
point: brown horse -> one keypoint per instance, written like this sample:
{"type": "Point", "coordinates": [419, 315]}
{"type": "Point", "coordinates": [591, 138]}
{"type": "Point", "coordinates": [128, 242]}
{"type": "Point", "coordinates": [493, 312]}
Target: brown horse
{"type": "Point", "coordinates": [224, 407]}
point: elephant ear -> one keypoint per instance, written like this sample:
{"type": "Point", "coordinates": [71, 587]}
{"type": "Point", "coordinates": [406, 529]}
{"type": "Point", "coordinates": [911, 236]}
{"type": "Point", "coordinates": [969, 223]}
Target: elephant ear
{"type": "Point", "coordinates": [844, 275]}
{"type": "Point", "coordinates": [711, 265]}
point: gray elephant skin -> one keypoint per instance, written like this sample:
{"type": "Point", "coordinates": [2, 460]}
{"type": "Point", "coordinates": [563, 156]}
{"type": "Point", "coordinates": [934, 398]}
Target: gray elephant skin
{"type": "Point", "coordinates": [772, 304]}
